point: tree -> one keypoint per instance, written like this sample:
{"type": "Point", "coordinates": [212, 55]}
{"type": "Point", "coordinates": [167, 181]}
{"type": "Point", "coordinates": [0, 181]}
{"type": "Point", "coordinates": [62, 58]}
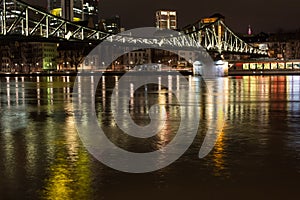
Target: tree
{"type": "Point", "coordinates": [73, 54]}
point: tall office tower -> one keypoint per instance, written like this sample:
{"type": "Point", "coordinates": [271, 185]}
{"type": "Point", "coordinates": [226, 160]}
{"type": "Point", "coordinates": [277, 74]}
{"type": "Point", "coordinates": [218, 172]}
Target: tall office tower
{"type": "Point", "coordinates": [75, 10]}
{"type": "Point", "coordinates": [67, 9]}
{"type": "Point", "coordinates": [113, 24]}
{"type": "Point", "coordinates": [91, 10]}
{"type": "Point", "coordinates": [166, 19]}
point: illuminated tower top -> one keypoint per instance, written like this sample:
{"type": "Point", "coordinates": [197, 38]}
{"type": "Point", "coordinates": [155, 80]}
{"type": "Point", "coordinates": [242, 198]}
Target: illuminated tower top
{"type": "Point", "coordinates": [67, 9]}
{"type": "Point", "coordinates": [249, 30]}
{"type": "Point", "coordinates": [166, 19]}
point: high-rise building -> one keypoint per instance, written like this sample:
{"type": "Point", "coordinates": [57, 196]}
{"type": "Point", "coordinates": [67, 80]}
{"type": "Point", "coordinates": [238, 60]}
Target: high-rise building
{"type": "Point", "coordinates": [75, 10]}
{"type": "Point", "coordinates": [111, 25]}
{"type": "Point", "coordinates": [67, 9]}
{"type": "Point", "coordinates": [91, 11]}
{"type": "Point", "coordinates": [166, 19]}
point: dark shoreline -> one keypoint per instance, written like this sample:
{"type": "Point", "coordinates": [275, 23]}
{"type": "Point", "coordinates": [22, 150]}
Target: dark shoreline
{"type": "Point", "coordinates": [184, 73]}
{"type": "Point", "coordinates": [109, 73]}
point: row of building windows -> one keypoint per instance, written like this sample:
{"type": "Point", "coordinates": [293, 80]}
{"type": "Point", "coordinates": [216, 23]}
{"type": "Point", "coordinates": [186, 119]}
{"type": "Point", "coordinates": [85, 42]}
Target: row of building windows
{"type": "Point", "coordinates": [48, 59]}
{"type": "Point", "coordinates": [132, 54]}
{"type": "Point", "coordinates": [49, 55]}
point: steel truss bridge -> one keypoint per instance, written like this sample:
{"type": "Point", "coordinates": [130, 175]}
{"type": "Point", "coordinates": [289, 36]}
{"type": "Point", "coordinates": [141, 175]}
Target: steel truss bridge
{"type": "Point", "coordinates": [23, 20]}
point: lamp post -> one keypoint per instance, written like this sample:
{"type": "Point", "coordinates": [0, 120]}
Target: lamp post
{"type": "Point", "coordinates": [92, 65]}
{"type": "Point", "coordinates": [130, 65]}
{"type": "Point", "coordinates": [169, 64]}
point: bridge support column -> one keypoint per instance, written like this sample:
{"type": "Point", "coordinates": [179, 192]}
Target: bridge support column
{"type": "Point", "coordinates": [219, 37]}
{"type": "Point", "coordinates": [197, 68]}
{"type": "Point", "coordinates": [47, 26]}
{"type": "Point", "coordinates": [4, 18]}
{"type": "Point", "coordinates": [221, 68]}
{"type": "Point", "coordinates": [26, 22]}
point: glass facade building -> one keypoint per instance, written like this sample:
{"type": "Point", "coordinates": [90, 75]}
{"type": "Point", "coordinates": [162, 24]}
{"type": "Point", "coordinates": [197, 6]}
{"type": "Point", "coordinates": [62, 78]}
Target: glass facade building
{"type": "Point", "coordinates": [75, 10]}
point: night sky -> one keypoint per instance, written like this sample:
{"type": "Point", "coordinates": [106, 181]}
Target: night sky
{"type": "Point", "coordinates": [262, 15]}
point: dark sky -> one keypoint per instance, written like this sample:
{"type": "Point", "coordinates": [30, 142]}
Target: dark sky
{"type": "Point", "coordinates": [262, 15]}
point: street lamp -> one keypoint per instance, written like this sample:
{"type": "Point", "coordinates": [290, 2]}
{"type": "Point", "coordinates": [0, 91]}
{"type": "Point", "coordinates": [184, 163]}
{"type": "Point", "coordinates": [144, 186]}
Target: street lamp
{"type": "Point", "coordinates": [131, 63]}
{"type": "Point", "coordinates": [169, 64]}
{"type": "Point", "coordinates": [37, 66]}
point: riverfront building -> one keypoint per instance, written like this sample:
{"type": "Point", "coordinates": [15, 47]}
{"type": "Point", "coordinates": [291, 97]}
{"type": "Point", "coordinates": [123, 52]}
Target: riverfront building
{"type": "Point", "coordinates": [281, 45]}
{"type": "Point", "coordinates": [28, 56]}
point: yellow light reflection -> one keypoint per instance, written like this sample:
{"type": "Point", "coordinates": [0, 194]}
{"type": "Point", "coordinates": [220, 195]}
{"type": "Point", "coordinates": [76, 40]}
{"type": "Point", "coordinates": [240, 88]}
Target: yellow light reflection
{"type": "Point", "coordinates": [70, 175]}
{"type": "Point", "coordinates": [57, 187]}
{"type": "Point", "coordinates": [163, 135]}
{"type": "Point", "coordinates": [219, 161]}
{"type": "Point", "coordinates": [216, 117]}
{"type": "Point", "coordinates": [9, 155]}
{"type": "Point", "coordinates": [31, 145]}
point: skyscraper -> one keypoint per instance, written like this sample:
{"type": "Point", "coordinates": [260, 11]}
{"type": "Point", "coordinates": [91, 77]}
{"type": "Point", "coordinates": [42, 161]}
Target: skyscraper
{"type": "Point", "coordinates": [91, 10]}
{"type": "Point", "coordinates": [111, 25]}
{"type": "Point", "coordinates": [166, 19]}
{"type": "Point", "coordinates": [67, 9]}
{"type": "Point", "coordinates": [75, 10]}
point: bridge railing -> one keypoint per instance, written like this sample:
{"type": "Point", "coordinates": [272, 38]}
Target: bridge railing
{"type": "Point", "coordinates": [216, 36]}
{"type": "Point", "coordinates": [18, 17]}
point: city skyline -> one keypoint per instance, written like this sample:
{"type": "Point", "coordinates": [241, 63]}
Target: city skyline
{"type": "Point", "coordinates": [266, 16]}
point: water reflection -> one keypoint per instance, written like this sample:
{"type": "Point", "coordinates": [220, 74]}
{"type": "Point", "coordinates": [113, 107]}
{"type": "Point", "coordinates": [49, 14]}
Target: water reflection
{"type": "Point", "coordinates": [69, 175]}
{"type": "Point", "coordinates": [216, 109]}
{"type": "Point", "coordinates": [42, 156]}
{"type": "Point", "coordinates": [35, 113]}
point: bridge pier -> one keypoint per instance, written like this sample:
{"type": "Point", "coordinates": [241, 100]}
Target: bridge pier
{"type": "Point", "coordinates": [220, 69]}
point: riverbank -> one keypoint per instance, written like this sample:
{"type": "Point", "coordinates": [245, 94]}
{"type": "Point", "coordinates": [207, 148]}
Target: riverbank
{"type": "Point", "coordinates": [105, 73]}
{"type": "Point", "coordinates": [120, 73]}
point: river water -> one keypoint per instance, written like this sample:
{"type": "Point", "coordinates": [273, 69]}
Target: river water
{"type": "Point", "coordinates": [256, 156]}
